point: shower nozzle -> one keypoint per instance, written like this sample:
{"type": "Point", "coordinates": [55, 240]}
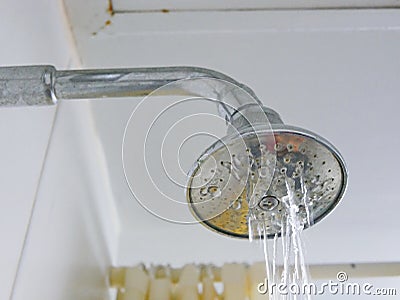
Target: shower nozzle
{"type": "Point", "coordinates": [255, 167]}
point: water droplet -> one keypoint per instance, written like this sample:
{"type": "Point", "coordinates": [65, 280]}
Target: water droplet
{"type": "Point", "coordinates": [263, 172]}
{"type": "Point", "coordinates": [214, 191]}
{"type": "Point", "coordinates": [203, 191]}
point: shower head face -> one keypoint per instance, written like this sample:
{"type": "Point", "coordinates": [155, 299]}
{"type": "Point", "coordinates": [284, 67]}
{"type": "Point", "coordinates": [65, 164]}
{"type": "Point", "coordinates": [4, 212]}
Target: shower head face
{"type": "Point", "coordinates": [256, 170]}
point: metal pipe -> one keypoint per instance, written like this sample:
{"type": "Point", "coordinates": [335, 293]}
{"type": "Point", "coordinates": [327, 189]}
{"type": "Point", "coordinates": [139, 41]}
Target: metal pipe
{"type": "Point", "coordinates": [44, 85]}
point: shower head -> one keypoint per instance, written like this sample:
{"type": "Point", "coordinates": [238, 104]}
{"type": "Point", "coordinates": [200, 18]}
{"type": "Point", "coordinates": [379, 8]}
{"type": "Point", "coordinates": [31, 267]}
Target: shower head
{"type": "Point", "coordinates": [256, 167]}
{"type": "Point", "coordinates": [244, 177]}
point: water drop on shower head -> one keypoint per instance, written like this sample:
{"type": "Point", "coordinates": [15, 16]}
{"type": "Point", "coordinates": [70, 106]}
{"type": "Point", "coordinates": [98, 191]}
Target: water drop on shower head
{"type": "Point", "coordinates": [255, 162]}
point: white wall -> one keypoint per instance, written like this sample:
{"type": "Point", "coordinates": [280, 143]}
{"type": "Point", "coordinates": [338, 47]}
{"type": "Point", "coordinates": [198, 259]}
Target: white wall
{"type": "Point", "coordinates": [32, 32]}
{"type": "Point", "coordinates": [73, 230]}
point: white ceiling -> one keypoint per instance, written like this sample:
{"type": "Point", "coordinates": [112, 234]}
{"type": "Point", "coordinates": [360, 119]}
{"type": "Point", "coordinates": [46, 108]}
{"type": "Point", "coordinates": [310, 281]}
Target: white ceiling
{"type": "Point", "coordinates": [146, 5]}
{"type": "Point", "coordinates": [334, 72]}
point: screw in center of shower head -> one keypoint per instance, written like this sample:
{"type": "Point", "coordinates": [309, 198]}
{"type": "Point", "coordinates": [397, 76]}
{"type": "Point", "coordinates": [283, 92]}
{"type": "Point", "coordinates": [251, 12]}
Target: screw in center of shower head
{"type": "Point", "coordinates": [268, 203]}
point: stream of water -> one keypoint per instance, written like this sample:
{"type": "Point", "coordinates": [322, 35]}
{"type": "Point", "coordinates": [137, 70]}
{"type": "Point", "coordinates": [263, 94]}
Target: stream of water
{"type": "Point", "coordinates": [286, 269]}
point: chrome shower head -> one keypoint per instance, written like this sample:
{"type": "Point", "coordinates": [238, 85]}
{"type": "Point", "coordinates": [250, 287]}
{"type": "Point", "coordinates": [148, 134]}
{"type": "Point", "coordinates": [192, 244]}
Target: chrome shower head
{"type": "Point", "coordinates": [258, 164]}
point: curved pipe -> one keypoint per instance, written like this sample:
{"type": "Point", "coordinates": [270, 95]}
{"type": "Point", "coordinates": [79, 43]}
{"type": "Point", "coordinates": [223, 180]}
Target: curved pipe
{"type": "Point", "coordinates": [44, 85]}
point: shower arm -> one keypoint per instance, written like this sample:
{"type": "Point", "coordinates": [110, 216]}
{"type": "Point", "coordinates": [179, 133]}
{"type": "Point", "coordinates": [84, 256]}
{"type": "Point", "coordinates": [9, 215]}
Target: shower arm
{"type": "Point", "coordinates": [44, 85]}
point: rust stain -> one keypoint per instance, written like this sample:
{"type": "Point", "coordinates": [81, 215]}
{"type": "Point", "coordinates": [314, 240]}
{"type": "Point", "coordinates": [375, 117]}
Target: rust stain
{"type": "Point", "coordinates": [110, 8]}
{"type": "Point", "coordinates": [107, 23]}
{"type": "Point", "coordinates": [165, 10]}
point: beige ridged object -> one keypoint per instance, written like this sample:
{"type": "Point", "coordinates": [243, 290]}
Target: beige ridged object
{"type": "Point", "coordinates": [187, 287]}
{"type": "Point", "coordinates": [255, 276]}
{"type": "Point", "coordinates": [136, 284]}
{"type": "Point", "coordinates": [209, 292]}
{"type": "Point", "coordinates": [160, 289]}
{"type": "Point", "coordinates": [235, 281]}
{"type": "Point", "coordinates": [239, 282]}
